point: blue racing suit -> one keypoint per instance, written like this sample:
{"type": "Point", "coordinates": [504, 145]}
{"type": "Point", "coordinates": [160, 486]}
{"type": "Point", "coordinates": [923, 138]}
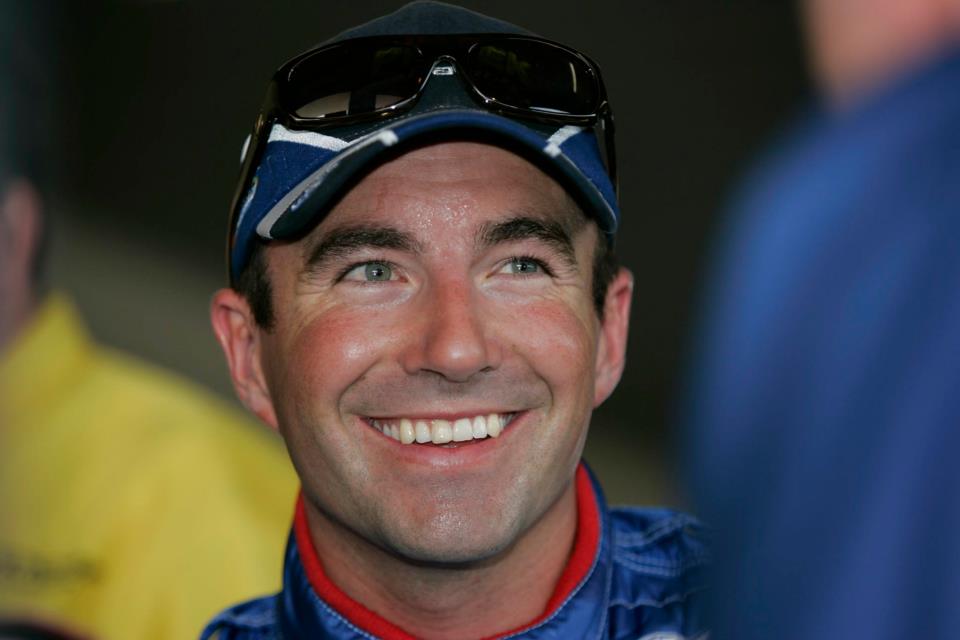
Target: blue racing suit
{"type": "Point", "coordinates": [642, 578]}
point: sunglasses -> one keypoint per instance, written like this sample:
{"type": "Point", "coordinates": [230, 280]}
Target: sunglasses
{"type": "Point", "coordinates": [376, 78]}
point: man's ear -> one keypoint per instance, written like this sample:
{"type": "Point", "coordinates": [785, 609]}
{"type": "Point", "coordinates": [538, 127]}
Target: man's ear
{"type": "Point", "coordinates": [240, 337]}
{"type": "Point", "coordinates": [612, 346]}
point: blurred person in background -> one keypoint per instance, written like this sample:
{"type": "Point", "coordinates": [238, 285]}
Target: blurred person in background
{"type": "Point", "coordinates": [425, 303]}
{"type": "Point", "coordinates": [132, 504]}
{"type": "Point", "coordinates": [824, 443]}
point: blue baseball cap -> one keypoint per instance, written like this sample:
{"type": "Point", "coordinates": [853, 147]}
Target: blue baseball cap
{"type": "Point", "coordinates": [300, 173]}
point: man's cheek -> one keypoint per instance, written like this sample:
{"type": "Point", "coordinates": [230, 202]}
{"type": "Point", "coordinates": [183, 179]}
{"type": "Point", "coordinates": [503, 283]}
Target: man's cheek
{"type": "Point", "coordinates": [332, 353]}
{"type": "Point", "coordinates": [552, 331]}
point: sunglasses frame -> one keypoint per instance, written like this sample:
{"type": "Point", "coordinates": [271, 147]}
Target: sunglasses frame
{"type": "Point", "coordinates": [274, 111]}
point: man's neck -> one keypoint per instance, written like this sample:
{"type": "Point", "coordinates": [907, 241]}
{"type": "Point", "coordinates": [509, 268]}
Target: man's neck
{"type": "Point", "coordinates": [503, 593]}
{"type": "Point", "coordinates": [859, 46]}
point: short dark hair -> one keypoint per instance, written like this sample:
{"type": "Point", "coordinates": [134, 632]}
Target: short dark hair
{"type": "Point", "coordinates": [254, 283]}
{"type": "Point", "coordinates": [605, 268]}
{"type": "Point", "coordinates": [29, 75]}
{"type": "Point", "coordinates": [29, 80]}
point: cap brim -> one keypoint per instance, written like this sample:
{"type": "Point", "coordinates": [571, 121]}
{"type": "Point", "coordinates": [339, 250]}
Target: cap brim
{"type": "Point", "coordinates": [295, 202]}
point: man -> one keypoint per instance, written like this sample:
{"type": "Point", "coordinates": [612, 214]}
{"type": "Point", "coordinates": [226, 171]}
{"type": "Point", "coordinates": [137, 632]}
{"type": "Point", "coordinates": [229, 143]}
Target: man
{"type": "Point", "coordinates": [824, 415]}
{"type": "Point", "coordinates": [132, 504]}
{"type": "Point", "coordinates": [426, 306]}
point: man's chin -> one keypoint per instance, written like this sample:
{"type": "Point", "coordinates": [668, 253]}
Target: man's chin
{"type": "Point", "coordinates": [448, 557]}
{"type": "Point", "coordinates": [460, 546]}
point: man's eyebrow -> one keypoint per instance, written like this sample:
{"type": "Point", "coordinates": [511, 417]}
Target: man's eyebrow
{"type": "Point", "coordinates": [526, 228]}
{"type": "Point", "coordinates": [343, 240]}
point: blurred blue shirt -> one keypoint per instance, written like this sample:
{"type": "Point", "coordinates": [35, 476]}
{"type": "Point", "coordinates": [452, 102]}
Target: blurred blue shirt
{"type": "Point", "coordinates": [823, 417]}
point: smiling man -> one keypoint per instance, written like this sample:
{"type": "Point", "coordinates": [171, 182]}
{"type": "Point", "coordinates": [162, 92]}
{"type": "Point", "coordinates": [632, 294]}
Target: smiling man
{"type": "Point", "coordinates": [426, 305]}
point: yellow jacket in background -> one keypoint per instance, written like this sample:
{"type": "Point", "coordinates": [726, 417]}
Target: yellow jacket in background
{"type": "Point", "coordinates": [133, 505]}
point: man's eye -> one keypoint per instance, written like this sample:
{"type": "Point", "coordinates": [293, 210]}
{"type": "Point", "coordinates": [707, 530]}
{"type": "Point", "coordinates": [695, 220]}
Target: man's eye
{"type": "Point", "coordinates": [370, 272]}
{"type": "Point", "coordinates": [523, 266]}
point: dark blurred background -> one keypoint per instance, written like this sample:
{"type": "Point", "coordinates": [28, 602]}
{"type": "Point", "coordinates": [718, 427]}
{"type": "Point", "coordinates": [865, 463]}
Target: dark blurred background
{"type": "Point", "coordinates": [156, 98]}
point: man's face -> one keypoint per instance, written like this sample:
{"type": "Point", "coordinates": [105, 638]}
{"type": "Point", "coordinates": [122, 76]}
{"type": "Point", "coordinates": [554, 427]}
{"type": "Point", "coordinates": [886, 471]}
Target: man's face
{"type": "Point", "coordinates": [450, 283]}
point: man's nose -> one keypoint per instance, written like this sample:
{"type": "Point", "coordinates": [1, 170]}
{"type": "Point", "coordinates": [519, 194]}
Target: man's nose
{"type": "Point", "coordinates": [452, 336]}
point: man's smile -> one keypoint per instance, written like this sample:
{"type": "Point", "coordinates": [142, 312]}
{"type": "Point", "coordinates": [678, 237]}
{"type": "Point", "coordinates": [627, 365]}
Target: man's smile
{"type": "Point", "coordinates": [440, 430]}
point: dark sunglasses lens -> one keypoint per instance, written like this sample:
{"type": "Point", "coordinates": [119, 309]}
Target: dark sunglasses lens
{"type": "Point", "coordinates": [534, 75]}
{"type": "Point", "coordinates": [352, 80]}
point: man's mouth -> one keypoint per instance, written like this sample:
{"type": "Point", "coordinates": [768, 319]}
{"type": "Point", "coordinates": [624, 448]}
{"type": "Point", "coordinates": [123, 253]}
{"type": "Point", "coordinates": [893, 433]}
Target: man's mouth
{"type": "Point", "coordinates": [440, 431]}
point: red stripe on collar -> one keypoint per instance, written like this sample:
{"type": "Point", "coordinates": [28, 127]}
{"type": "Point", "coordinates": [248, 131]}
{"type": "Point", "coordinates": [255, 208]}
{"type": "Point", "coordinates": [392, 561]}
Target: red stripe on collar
{"type": "Point", "coordinates": [585, 545]}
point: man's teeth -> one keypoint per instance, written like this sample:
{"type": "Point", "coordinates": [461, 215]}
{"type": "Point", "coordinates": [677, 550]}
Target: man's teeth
{"type": "Point", "coordinates": [423, 431]}
{"type": "Point", "coordinates": [443, 431]}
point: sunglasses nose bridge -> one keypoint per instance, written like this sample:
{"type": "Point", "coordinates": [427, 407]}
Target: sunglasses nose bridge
{"type": "Point", "coordinates": [446, 85]}
{"type": "Point", "coordinates": [444, 64]}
